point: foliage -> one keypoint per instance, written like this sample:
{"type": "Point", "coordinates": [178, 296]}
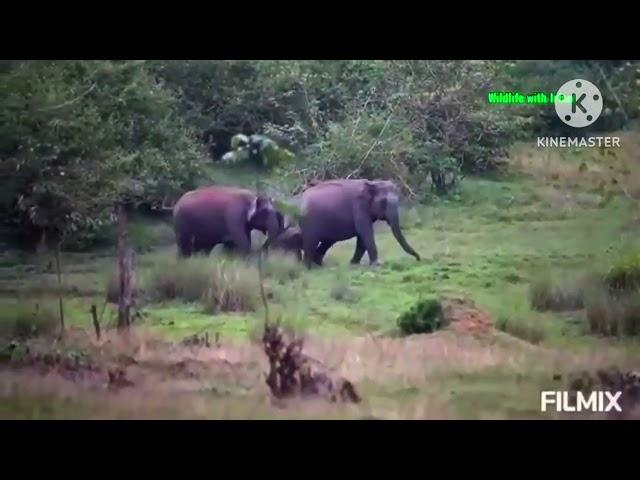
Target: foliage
{"type": "Point", "coordinates": [624, 274]}
{"type": "Point", "coordinates": [613, 315]}
{"type": "Point", "coordinates": [557, 294]}
{"type": "Point", "coordinates": [76, 136]}
{"type": "Point", "coordinates": [425, 125]}
{"type": "Point", "coordinates": [525, 330]}
{"type": "Point", "coordinates": [617, 79]}
{"type": "Point", "coordinates": [425, 316]}
{"type": "Point", "coordinates": [23, 321]}
{"type": "Point", "coordinates": [259, 150]}
{"type": "Point", "coordinates": [219, 284]}
{"type": "Point", "coordinates": [232, 287]}
{"type": "Point", "coordinates": [170, 279]}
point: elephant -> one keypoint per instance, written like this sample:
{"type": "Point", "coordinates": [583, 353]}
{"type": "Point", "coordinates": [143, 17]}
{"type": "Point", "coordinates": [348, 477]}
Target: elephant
{"type": "Point", "coordinates": [288, 242]}
{"type": "Point", "coordinates": [338, 210]}
{"type": "Point", "coordinates": [213, 215]}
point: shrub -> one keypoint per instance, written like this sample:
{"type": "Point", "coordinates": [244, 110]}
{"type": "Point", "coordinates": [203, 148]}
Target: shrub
{"type": "Point", "coordinates": [232, 287]}
{"type": "Point", "coordinates": [184, 279]}
{"type": "Point", "coordinates": [25, 321]}
{"type": "Point", "coordinates": [611, 315]}
{"type": "Point", "coordinates": [78, 135]}
{"type": "Point", "coordinates": [557, 294]}
{"type": "Point", "coordinates": [425, 316]}
{"type": "Point", "coordinates": [624, 275]}
{"type": "Point", "coordinates": [219, 283]}
{"type": "Point", "coordinates": [521, 329]}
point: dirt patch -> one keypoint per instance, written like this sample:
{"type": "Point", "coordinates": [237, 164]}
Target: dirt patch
{"type": "Point", "coordinates": [463, 316]}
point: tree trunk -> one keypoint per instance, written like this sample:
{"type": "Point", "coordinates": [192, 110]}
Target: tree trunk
{"type": "Point", "coordinates": [96, 324]}
{"type": "Point", "coordinates": [60, 304]}
{"type": "Point", "coordinates": [126, 272]}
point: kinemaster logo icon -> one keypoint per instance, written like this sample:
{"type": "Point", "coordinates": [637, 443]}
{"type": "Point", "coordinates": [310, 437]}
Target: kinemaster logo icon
{"type": "Point", "coordinates": [578, 103]}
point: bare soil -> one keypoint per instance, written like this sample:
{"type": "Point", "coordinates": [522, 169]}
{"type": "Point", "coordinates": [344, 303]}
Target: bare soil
{"type": "Point", "coordinates": [464, 317]}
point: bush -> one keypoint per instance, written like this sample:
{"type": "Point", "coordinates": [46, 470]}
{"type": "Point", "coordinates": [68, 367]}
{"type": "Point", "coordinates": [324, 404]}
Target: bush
{"type": "Point", "coordinates": [77, 135]}
{"type": "Point", "coordinates": [557, 294]}
{"type": "Point", "coordinates": [610, 315]}
{"type": "Point", "coordinates": [624, 275]}
{"type": "Point", "coordinates": [425, 316]}
{"type": "Point", "coordinates": [24, 321]}
{"type": "Point", "coordinates": [220, 284]}
{"type": "Point", "coordinates": [184, 279]}
{"type": "Point", "coordinates": [524, 330]}
{"type": "Point", "coordinates": [232, 287]}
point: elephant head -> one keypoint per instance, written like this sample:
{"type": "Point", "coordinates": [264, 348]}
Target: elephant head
{"type": "Point", "coordinates": [384, 199]}
{"type": "Point", "coordinates": [265, 217]}
{"type": "Point", "coordinates": [288, 241]}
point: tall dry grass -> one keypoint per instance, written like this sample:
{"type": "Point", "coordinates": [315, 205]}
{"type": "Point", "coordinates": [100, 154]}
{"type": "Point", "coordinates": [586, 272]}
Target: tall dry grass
{"type": "Point", "coordinates": [610, 300]}
{"type": "Point", "coordinates": [549, 293]}
{"type": "Point", "coordinates": [614, 170]}
{"type": "Point", "coordinates": [220, 283]}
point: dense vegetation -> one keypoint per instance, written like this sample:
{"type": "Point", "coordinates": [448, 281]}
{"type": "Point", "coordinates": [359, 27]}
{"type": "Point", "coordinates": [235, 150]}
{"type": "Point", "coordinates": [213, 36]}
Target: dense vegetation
{"type": "Point", "coordinates": [77, 136]}
{"type": "Point", "coordinates": [529, 273]}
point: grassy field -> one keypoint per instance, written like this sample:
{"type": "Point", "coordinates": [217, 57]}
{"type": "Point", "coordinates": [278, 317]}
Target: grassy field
{"type": "Point", "coordinates": [555, 219]}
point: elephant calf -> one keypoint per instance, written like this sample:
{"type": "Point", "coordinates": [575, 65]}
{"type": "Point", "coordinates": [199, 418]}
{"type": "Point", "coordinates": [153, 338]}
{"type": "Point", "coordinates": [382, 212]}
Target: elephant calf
{"type": "Point", "coordinates": [289, 242]}
{"type": "Point", "coordinates": [338, 210]}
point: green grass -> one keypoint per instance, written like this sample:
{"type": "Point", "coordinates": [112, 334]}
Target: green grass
{"type": "Point", "coordinates": [22, 320]}
{"type": "Point", "coordinates": [465, 250]}
{"type": "Point", "coordinates": [495, 241]}
{"type": "Point", "coordinates": [498, 393]}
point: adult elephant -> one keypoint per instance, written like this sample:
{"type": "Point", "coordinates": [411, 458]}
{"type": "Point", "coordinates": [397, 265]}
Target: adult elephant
{"type": "Point", "coordinates": [209, 216]}
{"type": "Point", "coordinates": [338, 210]}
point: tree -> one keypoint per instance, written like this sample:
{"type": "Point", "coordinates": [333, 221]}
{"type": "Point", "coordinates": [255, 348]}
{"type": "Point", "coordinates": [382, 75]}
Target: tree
{"type": "Point", "coordinates": [77, 136]}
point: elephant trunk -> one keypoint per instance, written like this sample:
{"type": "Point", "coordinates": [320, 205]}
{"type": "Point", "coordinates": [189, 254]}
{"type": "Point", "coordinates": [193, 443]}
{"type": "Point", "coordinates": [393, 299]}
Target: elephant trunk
{"type": "Point", "coordinates": [394, 223]}
{"type": "Point", "coordinates": [274, 228]}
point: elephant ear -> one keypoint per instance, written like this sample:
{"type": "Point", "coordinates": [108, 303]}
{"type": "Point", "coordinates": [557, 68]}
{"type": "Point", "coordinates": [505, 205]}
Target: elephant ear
{"type": "Point", "coordinates": [259, 204]}
{"type": "Point", "coordinates": [376, 197]}
{"type": "Point", "coordinates": [372, 190]}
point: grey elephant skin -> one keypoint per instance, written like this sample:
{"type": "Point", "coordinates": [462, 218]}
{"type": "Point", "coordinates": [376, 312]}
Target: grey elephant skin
{"type": "Point", "coordinates": [339, 210]}
{"type": "Point", "coordinates": [288, 242]}
{"type": "Point", "coordinates": [209, 216]}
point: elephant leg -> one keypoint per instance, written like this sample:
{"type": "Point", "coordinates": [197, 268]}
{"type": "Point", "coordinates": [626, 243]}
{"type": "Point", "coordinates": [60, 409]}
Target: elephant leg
{"type": "Point", "coordinates": [309, 246]}
{"type": "Point", "coordinates": [364, 229]}
{"type": "Point", "coordinates": [185, 245]}
{"type": "Point", "coordinates": [322, 249]}
{"type": "Point", "coordinates": [241, 238]}
{"type": "Point", "coordinates": [357, 255]}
